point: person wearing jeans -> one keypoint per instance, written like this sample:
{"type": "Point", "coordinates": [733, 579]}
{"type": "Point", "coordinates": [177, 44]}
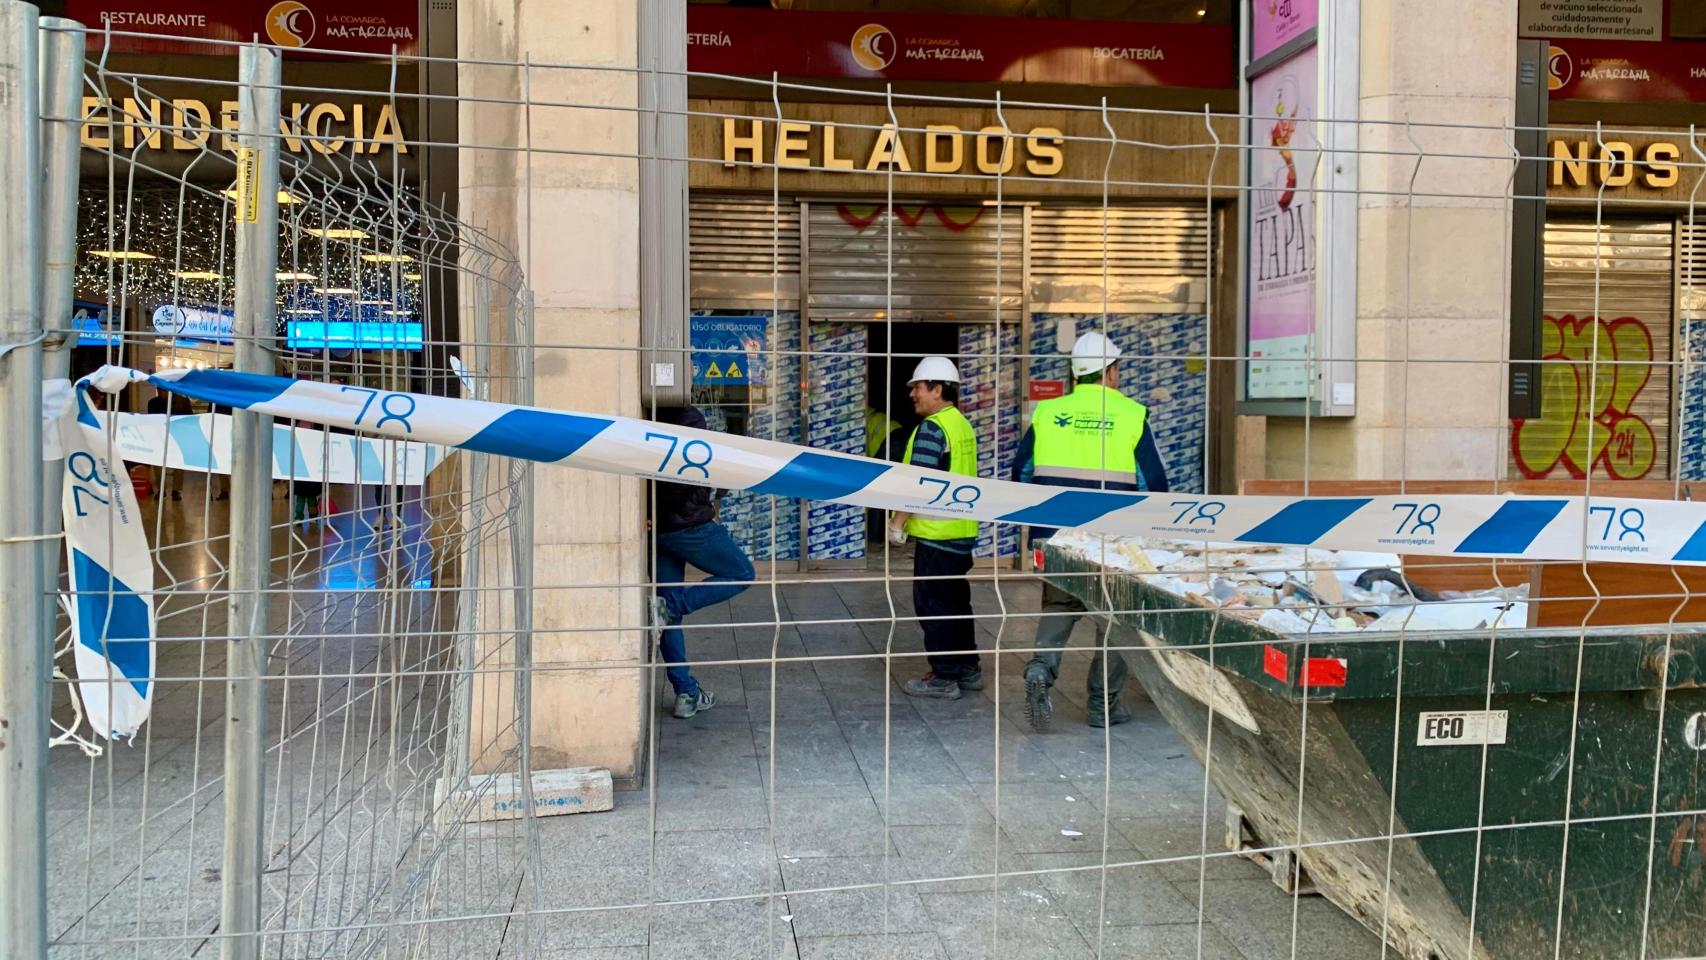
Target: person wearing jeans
{"type": "Point", "coordinates": [688, 534]}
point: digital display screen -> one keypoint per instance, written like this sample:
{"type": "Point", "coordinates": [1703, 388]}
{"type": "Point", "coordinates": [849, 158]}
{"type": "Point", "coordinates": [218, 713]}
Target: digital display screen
{"type": "Point", "coordinates": [352, 335]}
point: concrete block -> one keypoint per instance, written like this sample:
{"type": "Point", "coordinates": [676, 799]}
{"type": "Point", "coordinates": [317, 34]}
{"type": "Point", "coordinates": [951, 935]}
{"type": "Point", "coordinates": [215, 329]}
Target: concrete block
{"type": "Point", "coordinates": [498, 796]}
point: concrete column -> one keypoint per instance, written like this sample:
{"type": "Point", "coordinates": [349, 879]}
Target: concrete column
{"type": "Point", "coordinates": [1432, 281]}
{"type": "Point", "coordinates": [573, 219]}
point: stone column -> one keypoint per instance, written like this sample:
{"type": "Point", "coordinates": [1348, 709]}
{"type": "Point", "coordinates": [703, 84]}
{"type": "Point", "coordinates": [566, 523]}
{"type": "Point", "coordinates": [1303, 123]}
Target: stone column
{"type": "Point", "coordinates": [1433, 271]}
{"type": "Point", "coordinates": [573, 220]}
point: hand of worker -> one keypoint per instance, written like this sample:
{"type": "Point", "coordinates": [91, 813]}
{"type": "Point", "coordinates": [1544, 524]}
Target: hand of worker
{"type": "Point", "coordinates": [897, 534]}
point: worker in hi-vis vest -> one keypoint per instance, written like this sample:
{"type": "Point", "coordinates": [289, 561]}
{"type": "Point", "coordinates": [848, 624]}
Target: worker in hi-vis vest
{"type": "Point", "coordinates": [878, 426]}
{"type": "Point", "coordinates": [941, 554]}
{"type": "Point", "coordinates": [1098, 438]}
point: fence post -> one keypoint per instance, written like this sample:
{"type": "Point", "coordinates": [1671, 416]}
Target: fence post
{"type": "Point", "coordinates": [62, 45]}
{"type": "Point", "coordinates": [256, 214]}
{"type": "Point", "coordinates": [26, 656]}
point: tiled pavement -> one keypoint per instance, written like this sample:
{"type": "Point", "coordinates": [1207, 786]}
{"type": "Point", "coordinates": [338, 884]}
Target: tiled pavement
{"type": "Point", "coordinates": [826, 873]}
{"type": "Point", "coordinates": [888, 823]}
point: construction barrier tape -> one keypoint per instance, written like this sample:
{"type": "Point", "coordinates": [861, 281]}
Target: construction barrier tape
{"type": "Point", "coordinates": [112, 576]}
{"type": "Point", "coordinates": [1512, 527]}
{"type": "Point", "coordinates": [202, 443]}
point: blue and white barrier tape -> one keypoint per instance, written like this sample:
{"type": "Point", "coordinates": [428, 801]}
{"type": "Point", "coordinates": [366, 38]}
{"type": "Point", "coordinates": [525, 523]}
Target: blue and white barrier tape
{"type": "Point", "coordinates": [1513, 527]}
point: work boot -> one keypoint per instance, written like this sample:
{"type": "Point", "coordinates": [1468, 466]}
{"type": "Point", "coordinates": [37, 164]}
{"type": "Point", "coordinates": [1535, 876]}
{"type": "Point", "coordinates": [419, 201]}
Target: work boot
{"type": "Point", "coordinates": [1105, 718]}
{"type": "Point", "coordinates": [1039, 710]}
{"type": "Point", "coordinates": [932, 687]}
{"type": "Point", "coordinates": [972, 681]}
{"type": "Point", "coordinates": [689, 704]}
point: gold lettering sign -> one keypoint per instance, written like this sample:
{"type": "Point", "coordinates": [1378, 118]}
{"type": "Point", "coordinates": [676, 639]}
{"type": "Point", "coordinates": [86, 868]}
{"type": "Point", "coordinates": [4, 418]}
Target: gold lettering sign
{"type": "Point", "coordinates": [937, 148]}
{"type": "Point", "coordinates": [184, 124]}
{"type": "Point", "coordinates": [1615, 165]}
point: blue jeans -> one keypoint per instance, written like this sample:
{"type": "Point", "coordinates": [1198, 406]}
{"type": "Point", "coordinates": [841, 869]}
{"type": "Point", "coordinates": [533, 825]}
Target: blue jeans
{"type": "Point", "coordinates": [709, 547]}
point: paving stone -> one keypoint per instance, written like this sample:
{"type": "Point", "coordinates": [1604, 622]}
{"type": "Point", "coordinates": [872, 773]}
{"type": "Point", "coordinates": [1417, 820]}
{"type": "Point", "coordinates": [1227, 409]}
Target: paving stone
{"type": "Point", "coordinates": [1176, 843]}
{"type": "Point", "coordinates": [1134, 895]}
{"type": "Point", "coordinates": [811, 753]}
{"type": "Point", "coordinates": [932, 804]}
{"type": "Point", "coordinates": [732, 928]}
{"type": "Point", "coordinates": [716, 806]}
{"type": "Point", "coordinates": [1167, 942]}
{"type": "Point", "coordinates": [1256, 917]}
{"type": "Point", "coordinates": [914, 755]}
{"type": "Point", "coordinates": [901, 946]}
{"type": "Point", "coordinates": [873, 908]}
{"type": "Point", "coordinates": [971, 744]}
{"type": "Point", "coordinates": [815, 826]}
{"type": "Point", "coordinates": [1039, 818]}
{"type": "Point", "coordinates": [942, 854]}
{"type": "Point", "coordinates": [716, 863]}
{"type": "Point", "coordinates": [1027, 926]}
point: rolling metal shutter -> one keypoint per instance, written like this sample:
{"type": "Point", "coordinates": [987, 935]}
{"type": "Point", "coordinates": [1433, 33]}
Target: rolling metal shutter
{"type": "Point", "coordinates": [1148, 258]}
{"type": "Point", "coordinates": [1629, 394]}
{"type": "Point", "coordinates": [945, 261]}
{"type": "Point", "coordinates": [743, 251]}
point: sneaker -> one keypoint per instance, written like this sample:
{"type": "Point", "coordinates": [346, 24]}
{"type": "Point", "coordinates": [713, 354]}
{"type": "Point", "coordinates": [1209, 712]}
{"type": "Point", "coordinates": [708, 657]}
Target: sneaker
{"type": "Point", "coordinates": [972, 681]}
{"type": "Point", "coordinates": [689, 704]}
{"type": "Point", "coordinates": [661, 614]}
{"type": "Point", "coordinates": [932, 687]}
{"type": "Point", "coordinates": [1039, 710]}
{"type": "Point", "coordinates": [1101, 719]}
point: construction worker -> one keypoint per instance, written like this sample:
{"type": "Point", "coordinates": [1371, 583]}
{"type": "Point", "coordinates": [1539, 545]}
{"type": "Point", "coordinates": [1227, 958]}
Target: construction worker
{"type": "Point", "coordinates": [1094, 437]}
{"type": "Point", "coordinates": [941, 554]}
{"type": "Point", "coordinates": [878, 426]}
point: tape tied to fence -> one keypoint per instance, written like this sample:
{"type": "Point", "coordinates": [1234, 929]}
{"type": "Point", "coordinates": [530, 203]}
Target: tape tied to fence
{"type": "Point", "coordinates": [1507, 526]}
{"type": "Point", "coordinates": [201, 443]}
{"type": "Point", "coordinates": [111, 571]}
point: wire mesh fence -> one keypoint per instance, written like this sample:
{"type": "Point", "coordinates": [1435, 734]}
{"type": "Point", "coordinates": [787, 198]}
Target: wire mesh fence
{"type": "Point", "coordinates": [1317, 751]}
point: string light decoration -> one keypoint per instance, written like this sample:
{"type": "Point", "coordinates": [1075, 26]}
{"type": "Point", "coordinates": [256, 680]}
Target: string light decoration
{"type": "Point", "coordinates": [189, 244]}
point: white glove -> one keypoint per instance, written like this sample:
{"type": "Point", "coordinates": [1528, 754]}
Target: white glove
{"type": "Point", "coordinates": [897, 535]}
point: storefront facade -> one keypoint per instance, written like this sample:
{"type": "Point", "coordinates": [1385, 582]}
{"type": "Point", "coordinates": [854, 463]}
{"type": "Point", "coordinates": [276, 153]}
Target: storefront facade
{"type": "Point", "coordinates": [1008, 233]}
{"type": "Point", "coordinates": [156, 241]}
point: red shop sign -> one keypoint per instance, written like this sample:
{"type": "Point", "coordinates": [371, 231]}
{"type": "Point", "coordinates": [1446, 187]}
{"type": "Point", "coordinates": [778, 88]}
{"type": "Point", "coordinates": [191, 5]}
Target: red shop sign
{"type": "Point", "coordinates": [890, 46]}
{"type": "Point", "coordinates": [1627, 71]}
{"type": "Point", "coordinates": [1047, 389]}
{"type": "Point", "coordinates": [356, 26]}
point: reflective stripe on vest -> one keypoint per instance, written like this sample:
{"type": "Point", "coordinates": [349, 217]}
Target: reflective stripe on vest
{"type": "Point", "coordinates": [962, 459]}
{"type": "Point", "coordinates": [1091, 434]}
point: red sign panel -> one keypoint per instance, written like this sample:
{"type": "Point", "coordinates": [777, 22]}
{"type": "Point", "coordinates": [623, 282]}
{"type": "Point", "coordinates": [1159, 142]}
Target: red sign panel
{"type": "Point", "coordinates": [755, 42]}
{"type": "Point", "coordinates": [1627, 71]}
{"type": "Point", "coordinates": [362, 26]}
{"type": "Point", "coordinates": [1047, 389]}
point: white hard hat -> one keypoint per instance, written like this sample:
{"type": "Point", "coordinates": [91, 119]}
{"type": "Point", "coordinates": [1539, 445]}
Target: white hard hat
{"type": "Point", "coordinates": [1093, 353]}
{"type": "Point", "coordinates": [935, 368]}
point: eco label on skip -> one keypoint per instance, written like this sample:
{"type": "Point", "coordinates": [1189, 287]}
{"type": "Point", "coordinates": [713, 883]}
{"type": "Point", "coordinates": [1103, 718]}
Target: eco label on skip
{"type": "Point", "coordinates": [1461, 727]}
